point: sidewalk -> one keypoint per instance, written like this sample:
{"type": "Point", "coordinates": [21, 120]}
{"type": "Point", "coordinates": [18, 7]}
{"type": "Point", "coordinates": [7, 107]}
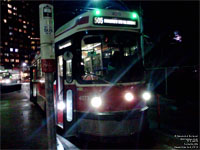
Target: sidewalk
{"type": "Point", "coordinates": [22, 125]}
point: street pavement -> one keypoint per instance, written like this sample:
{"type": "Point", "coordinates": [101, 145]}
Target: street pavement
{"type": "Point", "coordinates": [22, 125]}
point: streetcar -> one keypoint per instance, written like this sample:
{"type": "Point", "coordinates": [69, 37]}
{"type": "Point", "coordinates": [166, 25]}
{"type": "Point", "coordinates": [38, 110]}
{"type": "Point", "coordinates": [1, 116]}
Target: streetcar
{"type": "Point", "coordinates": [100, 87]}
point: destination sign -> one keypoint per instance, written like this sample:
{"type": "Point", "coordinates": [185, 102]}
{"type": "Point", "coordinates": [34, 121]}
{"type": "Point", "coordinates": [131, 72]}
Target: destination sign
{"type": "Point", "coordinates": [114, 21]}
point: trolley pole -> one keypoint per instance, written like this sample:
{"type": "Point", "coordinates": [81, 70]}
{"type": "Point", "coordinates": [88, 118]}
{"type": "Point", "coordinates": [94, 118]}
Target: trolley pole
{"type": "Point", "coordinates": [48, 67]}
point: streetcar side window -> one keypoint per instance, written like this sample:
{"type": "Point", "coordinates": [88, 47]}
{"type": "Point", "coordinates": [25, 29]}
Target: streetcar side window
{"type": "Point", "coordinates": [60, 66]}
{"type": "Point", "coordinates": [68, 70]}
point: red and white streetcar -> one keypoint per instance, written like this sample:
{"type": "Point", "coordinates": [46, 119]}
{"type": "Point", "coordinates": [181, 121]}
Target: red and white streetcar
{"type": "Point", "coordinates": [100, 87]}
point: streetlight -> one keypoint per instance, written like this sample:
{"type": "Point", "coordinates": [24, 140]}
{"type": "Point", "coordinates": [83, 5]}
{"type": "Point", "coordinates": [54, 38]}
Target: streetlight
{"type": "Point", "coordinates": [24, 64]}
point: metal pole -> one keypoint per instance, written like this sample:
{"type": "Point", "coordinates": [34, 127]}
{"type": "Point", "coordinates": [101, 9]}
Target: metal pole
{"type": "Point", "coordinates": [50, 113]}
{"type": "Point", "coordinates": [48, 67]}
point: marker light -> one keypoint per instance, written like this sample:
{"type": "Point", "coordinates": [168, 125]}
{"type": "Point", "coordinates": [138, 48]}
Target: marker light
{"type": "Point", "coordinates": [128, 96]}
{"type": "Point", "coordinates": [146, 96]}
{"type": "Point", "coordinates": [97, 12]}
{"type": "Point", "coordinates": [134, 15]}
{"type": "Point", "coordinates": [61, 105]}
{"type": "Point", "coordinates": [96, 102]}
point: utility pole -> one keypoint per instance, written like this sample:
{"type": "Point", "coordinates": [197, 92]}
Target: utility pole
{"type": "Point", "coordinates": [48, 67]}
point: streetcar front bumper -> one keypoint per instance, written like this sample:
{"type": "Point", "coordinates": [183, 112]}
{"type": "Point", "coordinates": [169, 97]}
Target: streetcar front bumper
{"type": "Point", "coordinates": [112, 123]}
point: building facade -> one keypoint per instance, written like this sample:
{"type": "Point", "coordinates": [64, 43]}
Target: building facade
{"type": "Point", "coordinates": [19, 33]}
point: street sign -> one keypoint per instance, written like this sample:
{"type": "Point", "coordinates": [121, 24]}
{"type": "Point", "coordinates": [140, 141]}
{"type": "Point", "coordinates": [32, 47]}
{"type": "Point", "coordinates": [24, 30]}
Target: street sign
{"type": "Point", "coordinates": [47, 37]}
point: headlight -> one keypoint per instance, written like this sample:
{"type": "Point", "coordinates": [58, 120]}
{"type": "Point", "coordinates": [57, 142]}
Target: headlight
{"type": "Point", "coordinates": [61, 105]}
{"type": "Point", "coordinates": [6, 81]}
{"type": "Point", "coordinates": [96, 102]}
{"type": "Point", "coordinates": [129, 96]}
{"type": "Point", "coordinates": [146, 96]}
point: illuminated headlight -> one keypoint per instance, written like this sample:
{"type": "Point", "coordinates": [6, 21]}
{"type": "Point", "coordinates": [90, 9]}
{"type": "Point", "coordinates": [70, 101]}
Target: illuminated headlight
{"type": "Point", "coordinates": [96, 102]}
{"type": "Point", "coordinates": [129, 97]}
{"type": "Point", "coordinates": [6, 81]}
{"type": "Point", "coordinates": [146, 96]}
{"type": "Point", "coordinates": [61, 105]}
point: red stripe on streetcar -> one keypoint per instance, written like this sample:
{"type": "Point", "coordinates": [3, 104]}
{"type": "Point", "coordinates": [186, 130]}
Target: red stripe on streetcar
{"type": "Point", "coordinates": [81, 21]}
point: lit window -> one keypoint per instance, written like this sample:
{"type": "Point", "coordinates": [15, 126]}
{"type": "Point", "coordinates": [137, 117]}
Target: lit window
{"type": "Point", "coordinates": [24, 21]}
{"type": "Point", "coordinates": [17, 60]}
{"type": "Point", "coordinates": [9, 11]}
{"type": "Point", "coordinates": [20, 30]}
{"type": "Point", "coordinates": [20, 20]}
{"type": "Point", "coordinates": [15, 14]}
{"type": "Point", "coordinates": [16, 29]}
{"type": "Point", "coordinates": [6, 54]}
{"type": "Point", "coordinates": [11, 38]}
{"type": "Point", "coordinates": [6, 60]}
{"type": "Point", "coordinates": [29, 37]}
{"type": "Point", "coordinates": [13, 65]}
{"type": "Point", "coordinates": [27, 22]}
{"type": "Point", "coordinates": [26, 56]}
{"type": "Point", "coordinates": [33, 47]}
{"type": "Point", "coordinates": [6, 43]}
{"type": "Point", "coordinates": [24, 26]}
{"type": "Point", "coordinates": [15, 8]}
{"type": "Point", "coordinates": [10, 33]}
{"type": "Point", "coordinates": [26, 61]}
{"type": "Point", "coordinates": [10, 28]}
{"type": "Point", "coordinates": [9, 6]}
{"type": "Point", "coordinates": [11, 49]}
{"type": "Point", "coordinates": [25, 31]}
{"type": "Point", "coordinates": [33, 33]}
{"type": "Point", "coordinates": [4, 20]}
{"type": "Point", "coordinates": [32, 28]}
{"type": "Point", "coordinates": [32, 42]}
{"type": "Point", "coordinates": [20, 15]}
{"type": "Point", "coordinates": [12, 60]}
{"type": "Point", "coordinates": [16, 50]}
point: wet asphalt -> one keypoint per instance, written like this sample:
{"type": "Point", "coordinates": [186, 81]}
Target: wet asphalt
{"type": "Point", "coordinates": [22, 124]}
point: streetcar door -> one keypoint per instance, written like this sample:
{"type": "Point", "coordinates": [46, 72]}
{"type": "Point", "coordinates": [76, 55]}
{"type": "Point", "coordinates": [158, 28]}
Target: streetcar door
{"type": "Point", "coordinates": [59, 95]}
{"type": "Point", "coordinates": [69, 117]}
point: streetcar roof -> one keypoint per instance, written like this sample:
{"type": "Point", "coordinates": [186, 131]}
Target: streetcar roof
{"type": "Point", "coordinates": [116, 20]}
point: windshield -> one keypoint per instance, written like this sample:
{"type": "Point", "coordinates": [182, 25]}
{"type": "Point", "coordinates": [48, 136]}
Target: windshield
{"type": "Point", "coordinates": [111, 57]}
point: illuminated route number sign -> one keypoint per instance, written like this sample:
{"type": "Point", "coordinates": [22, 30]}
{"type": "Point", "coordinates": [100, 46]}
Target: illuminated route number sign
{"type": "Point", "coordinates": [114, 21]}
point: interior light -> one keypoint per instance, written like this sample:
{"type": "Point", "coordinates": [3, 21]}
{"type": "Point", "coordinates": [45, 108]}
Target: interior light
{"type": "Point", "coordinates": [67, 44]}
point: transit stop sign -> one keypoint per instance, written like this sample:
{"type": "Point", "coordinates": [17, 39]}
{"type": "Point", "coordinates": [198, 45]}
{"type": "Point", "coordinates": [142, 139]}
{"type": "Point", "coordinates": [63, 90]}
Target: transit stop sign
{"type": "Point", "coordinates": [47, 37]}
